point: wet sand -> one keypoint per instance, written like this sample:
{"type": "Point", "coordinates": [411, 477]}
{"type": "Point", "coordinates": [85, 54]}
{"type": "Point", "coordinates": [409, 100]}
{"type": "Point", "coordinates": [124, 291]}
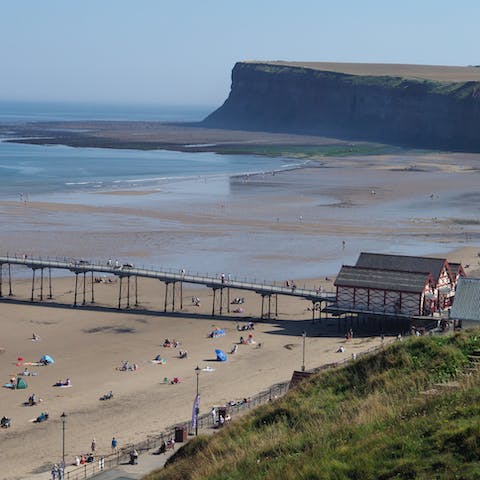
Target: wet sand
{"type": "Point", "coordinates": [278, 226]}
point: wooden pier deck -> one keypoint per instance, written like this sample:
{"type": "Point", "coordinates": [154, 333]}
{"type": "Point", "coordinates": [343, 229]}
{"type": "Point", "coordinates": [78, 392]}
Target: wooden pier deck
{"type": "Point", "coordinates": [126, 272]}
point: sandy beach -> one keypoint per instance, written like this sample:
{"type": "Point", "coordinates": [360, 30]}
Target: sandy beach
{"type": "Point", "coordinates": [287, 225]}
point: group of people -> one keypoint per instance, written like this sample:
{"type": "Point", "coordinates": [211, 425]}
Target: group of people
{"type": "Point", "coordinates": [32, 400]}
{"type": "Point", "coordinates": [247, 341]}
{"type": "Point", "coordinates": [167, 343]}
{"type": "Point", "coordinates": [196, 301]}
{"type": "Point", "coordinates": [248, 326]}
{"type": "Point", "coordinates": [128, 367]}
{"type": "Point", "coordinates": [57, 471]}
{"type": "Point", "coordinates": [66, 383]}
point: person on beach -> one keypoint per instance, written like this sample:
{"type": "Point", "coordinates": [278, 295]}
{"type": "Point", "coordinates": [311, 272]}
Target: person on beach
{"type": "Point", "coordinates": [93, 445]}
{"type": "Point", "coordinates": [114, 445]}
{"type": "Point", "coordinates": [213, 413]}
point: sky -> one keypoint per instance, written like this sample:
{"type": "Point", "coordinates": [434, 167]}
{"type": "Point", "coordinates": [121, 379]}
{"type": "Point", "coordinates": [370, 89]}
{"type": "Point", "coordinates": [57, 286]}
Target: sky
{"type": "Point", "coordinates": [181, 52]}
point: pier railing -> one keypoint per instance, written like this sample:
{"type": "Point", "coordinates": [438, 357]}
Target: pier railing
{"type": "Point", "coordinates": [221, 281]}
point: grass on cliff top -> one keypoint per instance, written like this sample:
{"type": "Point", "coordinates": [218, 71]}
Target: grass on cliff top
{"type": "Point", "coordinates": [460, 86]}
{"type": "Point", "coordinates": [367, 420]}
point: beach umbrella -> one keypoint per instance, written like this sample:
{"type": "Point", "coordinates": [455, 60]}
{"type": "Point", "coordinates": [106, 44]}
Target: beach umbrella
{"type": "Point", "coordinates": [221, 356]}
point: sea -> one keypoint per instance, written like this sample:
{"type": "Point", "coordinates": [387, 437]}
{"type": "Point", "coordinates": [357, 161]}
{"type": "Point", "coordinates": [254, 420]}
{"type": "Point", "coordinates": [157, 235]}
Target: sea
{"type": "Point", "coordinates": [83, 176]}
{"type": "Point", "coordinates": [37, 171]}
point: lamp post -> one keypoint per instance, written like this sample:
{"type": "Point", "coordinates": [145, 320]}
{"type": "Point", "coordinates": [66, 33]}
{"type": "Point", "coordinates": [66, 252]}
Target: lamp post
{"type": "Point", "coordinates": [63, 416]}
{"type": "Point", "coordinates": [197, 371]}
{"type": "Point", "coordinates": [304, 336]}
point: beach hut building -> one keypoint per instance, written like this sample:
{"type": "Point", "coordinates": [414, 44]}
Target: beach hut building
{"type": "Point", "coordinates": [384, 292]}
{"type": "Point", "coordinates": [444, 276]}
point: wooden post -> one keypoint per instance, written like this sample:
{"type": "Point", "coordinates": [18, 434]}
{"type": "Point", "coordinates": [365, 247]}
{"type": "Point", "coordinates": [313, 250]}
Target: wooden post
{"type": "Point", "coordinates": [221, 300]}
{"type": "Point", "coordinates": [276, 304]}
{"type": "Point", "coordinates": [50, 283]}
{"type": "Point", "coordinates": [9, 280]}
{"type": "Point", "coordinates": [228, 299]}
{"type": "Point", "coordinates": [76, 287]}
{"type": "Point", "coordinates": [93, 297]}
{"type": "Point", "coordinates": [120, 293]}
{"type": "Point", "coordinates": [213, 303]}
{"type": "Point", "coordinates": [84, 288]}
{"type": "Point", "coordinates": [1, 278]}
{"type": "Point", "coordinates": [41, 284]}
{"type": "Point", "coordinates": [33, 283]}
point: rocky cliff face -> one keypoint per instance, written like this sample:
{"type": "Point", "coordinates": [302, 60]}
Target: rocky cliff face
{"type": "Point", "coordinates": [412, 112]}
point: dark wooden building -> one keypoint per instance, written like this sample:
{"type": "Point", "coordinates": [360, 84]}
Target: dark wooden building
{"type": "Point", "coordinates": [396, 285]}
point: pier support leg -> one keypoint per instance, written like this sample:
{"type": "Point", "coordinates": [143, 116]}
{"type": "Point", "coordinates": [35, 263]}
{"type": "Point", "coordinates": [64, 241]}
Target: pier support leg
{"type": "Point", "coordinates": [9, 280]}
{"type": "Point", "coordinates": [313, 311]}
{"type": "Point", "coordinates": [181, 295]}
{"type": "Point", "coordinates": [228, 299]}
{"type": "Point", "coordinates": [33, 284]}
{"type": "Point", "coordinates": [213, 303]}
{"type": "Point", "coordinates": [1, 278]}
{"type": "Point", "coordinates": [136, 291]}
{"type": "Point", "coordinates": [76, 288]}
{"type": "Point", "coordinates": [269, 307]}
{"type": "Point", "coordinates": [173, 297]}
{"type": "Point", "coordinates": [221, 301]}
{"type": "Point", "coordinates": [166, 296]}
{"type": "Point", "coordinates": [120, 294]}
{"type": "Point", "coordinates": [41, 284]}
{"type": "Point", "coordinates": [50, 283]}
{"type": "Point", "coordinates": [93, 296]}
{"type": "Point", "coordinates": [84, 288]}
{"type": "Point", "coordinates": [263, 298]}
{"type": "Point", "coordinates": [128, 291]}
{"type": "Point", "coordinates": [276, 304]}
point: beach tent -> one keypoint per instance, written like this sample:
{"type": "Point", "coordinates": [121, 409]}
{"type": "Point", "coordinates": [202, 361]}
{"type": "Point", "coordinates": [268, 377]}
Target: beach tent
{"type": "Point", "coordinates": [47, 360]}
{"type": "Point", "coordinates": [218, 332]}
{"type": "Point", "coordinates": [21, 383]}
{"type": "Point", "coordinates": [221, 356]}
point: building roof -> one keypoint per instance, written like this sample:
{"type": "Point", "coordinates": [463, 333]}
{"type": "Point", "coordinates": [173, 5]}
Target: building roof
{"type": "Point", "coordinates": [393, 280]}
{"type": "Point", "coordinates": [466, 305]}
{"type": "Point", "coordinates": [456, 268]}
{"type": "Point", "coordinates": [405, 263]}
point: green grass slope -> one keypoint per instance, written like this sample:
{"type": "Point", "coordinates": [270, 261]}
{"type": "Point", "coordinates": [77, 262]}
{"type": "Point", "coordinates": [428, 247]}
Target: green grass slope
{"type": "Point", "coordinates": [380, 417]}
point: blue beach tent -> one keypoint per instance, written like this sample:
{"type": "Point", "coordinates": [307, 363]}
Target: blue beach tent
{"type": "Point", "coordinates": [47, 360]}
{"type": "Point", "coordinates": [221, 356]}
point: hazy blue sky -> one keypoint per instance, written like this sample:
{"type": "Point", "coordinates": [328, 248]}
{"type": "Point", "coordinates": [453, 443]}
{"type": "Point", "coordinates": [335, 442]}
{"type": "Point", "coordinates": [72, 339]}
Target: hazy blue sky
{"type": "Point", "coordinates": [182, 51]}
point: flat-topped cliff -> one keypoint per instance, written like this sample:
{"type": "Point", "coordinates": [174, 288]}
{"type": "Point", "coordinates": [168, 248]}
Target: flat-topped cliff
{"type": "Point", "coordinates": [412, 105]}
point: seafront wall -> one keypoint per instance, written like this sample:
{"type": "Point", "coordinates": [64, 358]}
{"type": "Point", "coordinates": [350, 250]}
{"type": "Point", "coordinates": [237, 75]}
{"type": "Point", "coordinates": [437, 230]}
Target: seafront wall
{"type": "Point", "coordinates": [389, 109]}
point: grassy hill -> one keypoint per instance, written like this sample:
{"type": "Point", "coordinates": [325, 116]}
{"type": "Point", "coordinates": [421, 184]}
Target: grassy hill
{"type": "Point", "coordinates": [391, 415]}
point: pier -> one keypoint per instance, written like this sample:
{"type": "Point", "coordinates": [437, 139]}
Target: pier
{"type": "Point", "coordinates": [221, 286]}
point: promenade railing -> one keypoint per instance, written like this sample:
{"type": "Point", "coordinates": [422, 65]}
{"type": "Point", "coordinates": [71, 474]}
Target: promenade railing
{"type": "Point", "coordinates": [205, 421]}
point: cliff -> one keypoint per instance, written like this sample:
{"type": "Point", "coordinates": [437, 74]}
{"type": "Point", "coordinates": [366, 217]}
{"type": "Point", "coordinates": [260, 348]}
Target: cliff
{"type": "Point", "coordinates": [418, 106]}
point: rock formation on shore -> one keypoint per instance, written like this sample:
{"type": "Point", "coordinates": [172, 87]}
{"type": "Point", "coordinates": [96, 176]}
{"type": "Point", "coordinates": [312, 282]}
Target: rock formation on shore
{"type": "Point", "coordinates": [411, 105]}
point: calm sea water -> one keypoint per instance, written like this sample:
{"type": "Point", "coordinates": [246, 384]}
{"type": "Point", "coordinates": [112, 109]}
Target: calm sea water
{"type": "Point", "coordinates": [32, 170]}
